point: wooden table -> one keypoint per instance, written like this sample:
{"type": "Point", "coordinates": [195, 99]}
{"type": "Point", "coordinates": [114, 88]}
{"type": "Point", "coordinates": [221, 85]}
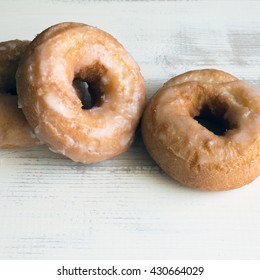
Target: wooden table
{"type": "Point", "coordinates": [126, 207]}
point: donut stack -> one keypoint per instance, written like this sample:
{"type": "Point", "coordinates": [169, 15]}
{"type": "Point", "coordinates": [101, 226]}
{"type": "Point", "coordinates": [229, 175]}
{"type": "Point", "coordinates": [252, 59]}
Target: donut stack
{"type": "Point", "coordinates": [15, 131]}
{"type": "Point", "coordinates": [49, 66]}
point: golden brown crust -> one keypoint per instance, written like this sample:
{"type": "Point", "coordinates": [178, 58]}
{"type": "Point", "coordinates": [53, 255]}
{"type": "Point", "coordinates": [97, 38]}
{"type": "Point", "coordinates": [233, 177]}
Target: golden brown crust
{"type": "Point", "coordinates": [192, 154]}
{"type": "Point", "coordinates": [204, 76]}
{"type": "Point", "coordinates": [55, 58]}
{"type": "Point", "coordinates": [10, 55]}
{"type": "Point", "coordinates": [15, 131]}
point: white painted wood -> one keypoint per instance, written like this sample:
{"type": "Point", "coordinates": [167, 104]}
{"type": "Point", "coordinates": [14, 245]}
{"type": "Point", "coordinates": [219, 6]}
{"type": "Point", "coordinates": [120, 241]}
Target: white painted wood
{"type": "Point", "coordinates": [51, 207]}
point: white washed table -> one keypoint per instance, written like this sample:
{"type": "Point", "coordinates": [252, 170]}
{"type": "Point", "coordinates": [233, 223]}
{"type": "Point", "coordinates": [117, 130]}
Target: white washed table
{"type": "Point", "coordinates": [127, 208]}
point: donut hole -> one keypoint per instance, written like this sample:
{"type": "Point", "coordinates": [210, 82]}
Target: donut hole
{"type": "Point", "coordinates": [89, 86]}
{"type": "Point", "coordinates": [212, 116]}
{"type": "Point", "coordinates": [83, 93]}
{"type": "Point", "coordinates": [9, 90]}
{"type": "Point", "coordinates": [12, 91]}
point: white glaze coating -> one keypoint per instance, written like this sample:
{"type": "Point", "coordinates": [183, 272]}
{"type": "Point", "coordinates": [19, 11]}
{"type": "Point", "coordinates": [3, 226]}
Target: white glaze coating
{"type": "Point", "coordinates": [54, 109]}
{"type": "Point", "coordinates": [212, 147]}
{"type": "Point", "coordinates": [193, 154]}
{"type": "Point", "coordinates": [56, 104]}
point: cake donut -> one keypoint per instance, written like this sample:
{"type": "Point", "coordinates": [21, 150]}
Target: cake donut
{"type": "Point", "coordinates": [15, 131]}
{"type": "Point", "coordinates": [189, 151]}
{"type": "Point", "coordinates": [53, 61]}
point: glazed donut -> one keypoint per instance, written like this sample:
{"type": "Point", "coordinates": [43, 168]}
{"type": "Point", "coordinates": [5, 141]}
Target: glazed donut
{"type": "Point", "coordinates": [193, 154]}
{"type": "Point", "coordinates": [58, 56]}
{"type": "Point", "coordinates": [15, 131]}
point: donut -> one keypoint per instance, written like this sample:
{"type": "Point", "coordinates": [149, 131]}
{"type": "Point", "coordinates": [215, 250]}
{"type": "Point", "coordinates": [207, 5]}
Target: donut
{"type": "Point", "coordinates": [15, 131]}
{"type": "Point", "coordinates": [194, 154]}
{"type": "Point", "coordinates": [56, 58]}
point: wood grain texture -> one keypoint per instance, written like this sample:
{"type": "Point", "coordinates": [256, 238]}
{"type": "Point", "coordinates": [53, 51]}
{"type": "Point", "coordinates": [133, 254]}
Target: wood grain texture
{"type": "Point", "coordinates": [127, 208]}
